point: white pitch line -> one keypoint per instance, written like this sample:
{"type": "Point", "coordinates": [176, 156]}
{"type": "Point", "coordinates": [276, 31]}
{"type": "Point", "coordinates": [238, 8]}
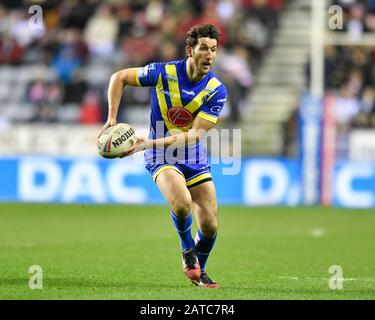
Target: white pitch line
{"type": "Point", "coordinates": [327, 279]}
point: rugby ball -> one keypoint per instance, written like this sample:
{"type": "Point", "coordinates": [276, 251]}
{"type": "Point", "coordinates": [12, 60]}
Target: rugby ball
{"type": "Point", "coordinates": [116, 140]}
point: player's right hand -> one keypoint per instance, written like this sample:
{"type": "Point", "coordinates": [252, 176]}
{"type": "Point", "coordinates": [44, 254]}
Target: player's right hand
{"type": "Point", "coordinates": [108, 124]}
{"type": "Point", "coordinates": [139, 145]}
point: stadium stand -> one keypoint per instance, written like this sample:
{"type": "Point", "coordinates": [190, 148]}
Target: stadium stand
{"type": "Point", "coordinates": [284, 76]}
{"type": "Point", "coordinates": [60, 74]}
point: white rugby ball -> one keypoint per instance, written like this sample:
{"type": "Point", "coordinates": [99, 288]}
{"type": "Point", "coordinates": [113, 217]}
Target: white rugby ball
{"type": "Point", "coordinates": [116, 140]}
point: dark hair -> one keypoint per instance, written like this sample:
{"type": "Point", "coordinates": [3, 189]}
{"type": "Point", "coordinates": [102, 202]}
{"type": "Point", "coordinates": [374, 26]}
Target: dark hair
{"type": "Point", "coordinates": [200, 31]}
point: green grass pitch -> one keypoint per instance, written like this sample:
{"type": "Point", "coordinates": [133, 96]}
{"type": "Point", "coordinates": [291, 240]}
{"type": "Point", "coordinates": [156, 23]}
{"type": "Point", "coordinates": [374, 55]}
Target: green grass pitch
{"type": "Point", "coordinates": [132, 252]}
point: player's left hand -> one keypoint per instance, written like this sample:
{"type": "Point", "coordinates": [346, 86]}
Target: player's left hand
{"type": "Point", "coordinates": [140, 145]}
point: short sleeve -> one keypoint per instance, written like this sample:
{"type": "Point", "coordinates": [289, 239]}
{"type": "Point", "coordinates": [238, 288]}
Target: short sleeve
{"type": "Point", "coordinates": [147, 76]}
{"type": "Point", "coordinates": [215, 102]}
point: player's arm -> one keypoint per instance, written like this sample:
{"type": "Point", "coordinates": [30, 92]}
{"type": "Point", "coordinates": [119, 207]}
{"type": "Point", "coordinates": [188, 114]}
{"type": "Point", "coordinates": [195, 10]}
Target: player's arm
{"type": "Point", "coordinates": [117, 82]}
{"type": "Point", "coordinates": [196, 133]}
{"type": "Point", "coordinates": [205, 120]}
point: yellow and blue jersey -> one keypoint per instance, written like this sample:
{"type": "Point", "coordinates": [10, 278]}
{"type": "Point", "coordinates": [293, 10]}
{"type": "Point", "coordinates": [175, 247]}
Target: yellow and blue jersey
{"type": "Point", "coordinates": [175, 103]}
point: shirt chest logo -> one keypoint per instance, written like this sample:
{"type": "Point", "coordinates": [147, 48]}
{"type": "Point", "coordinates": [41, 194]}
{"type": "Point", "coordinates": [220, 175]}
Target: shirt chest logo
{"type": "Point", "coordinates": [180, 117]}
{"type": "Point", "coordinates": [189, 93]}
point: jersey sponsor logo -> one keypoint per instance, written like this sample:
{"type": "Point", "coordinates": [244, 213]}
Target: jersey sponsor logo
{"type": "Point", "coordinates": [143, 72]}
{"type": "Point", "coordinates": [221, 100]}
{"type": "Point", "coordinates": [190, 93]}
{"type": "Point", "coordinates": [164, 91]}
{"type": "Point", "coordinates": [180, 117]}
{"type": "Point", "coordinates": [215, 109]}
{"type": "Point", "coordinates": [209, 90]}
{"type": "Point", "coordinates": [171, 78]}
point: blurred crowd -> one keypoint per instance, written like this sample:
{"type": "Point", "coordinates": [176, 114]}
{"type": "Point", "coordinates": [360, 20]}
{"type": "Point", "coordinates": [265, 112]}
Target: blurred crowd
{"type": "Point", "coordinates": [350, 74]}
{"type": "Point", "coordinates": [350, 77]}
{"type": "Point", "coordinates": [359, 16]}
{"type": "Point", "coordinates": [80, 43]}
{"type": "Point", "coordinates": [350, 69]}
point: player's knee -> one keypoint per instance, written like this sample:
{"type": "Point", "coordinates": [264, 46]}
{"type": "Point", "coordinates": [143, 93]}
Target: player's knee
{"type": "Point", "coordinates": [181, 209]}
{"type": "Point", "coordinates": [181, 206]}
{"type": "Point", "coordinates": [209, 229]}
{"type": "Point", "coordinates": [209, 226]}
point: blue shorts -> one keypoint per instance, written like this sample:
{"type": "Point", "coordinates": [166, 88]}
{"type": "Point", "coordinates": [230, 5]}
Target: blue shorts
{"type": "Point", "coordinates": [194, 174]}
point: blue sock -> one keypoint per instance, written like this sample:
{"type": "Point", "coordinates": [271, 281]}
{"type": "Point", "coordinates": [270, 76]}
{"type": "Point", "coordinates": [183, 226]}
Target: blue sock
{"type": "Point", "coordinates": [203, 247]}
{"type": "Point", "coordinates": [183, 227]}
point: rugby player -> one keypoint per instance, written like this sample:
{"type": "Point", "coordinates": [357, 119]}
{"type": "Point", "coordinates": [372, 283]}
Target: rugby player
{"type": "Point", "coordinates": [187, 98]}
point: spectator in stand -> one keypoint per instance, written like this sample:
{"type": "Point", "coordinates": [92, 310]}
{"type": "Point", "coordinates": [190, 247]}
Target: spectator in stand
{"type": "Point", "coordinates": [355, 21]}
{"type": "Point", "coordinates": [226, 10]}
{"type": "Point", "coordinates": [37, 91]}
{"type": "Point", "coordinates": [125, 19]}
{"type": "Point", "coordinates": [66, 63]}
{"type": "Point", "coordinates": [101, 32]}
{"type": "Point", "coordinates": [346, 110]}
{"type": "Point", "coordinates": [76, 13]}
{"type": "Point", "coordinates": [265, 13]}
{"type": "Point", "coordinates": [47, 97]}
{"type": "Point", "coordinates": [209, 15]}
{"type": "Point", "coordinates": [4, 20]}
{"type": "Point", "coordinates": [346, 107]}
{"type": "Point", "coordinates": [74, 38]}
{"type": "Point", "coordinates": [237, 76]}
{"type": "Point", "coordinates": [10, 51]}
{"type": "Point", "coordinates": [366, 114]}
{"type": "Point", "coordinates": [54, 94]}
{"type": "Point", "coordinates": [254, 29]}
{"type": "Point", "coordinates": [168, 51]}
{"type": "Point", "coordinates": [91, 110]}
{"type": "Point", "coordinates": [139, 50]}
{"type": "Point", "coordinates": [355, 82]}
{"type": "Point", "coordinates": [154, 13]}
{"type": "Point", "coordinates": [75, 89]}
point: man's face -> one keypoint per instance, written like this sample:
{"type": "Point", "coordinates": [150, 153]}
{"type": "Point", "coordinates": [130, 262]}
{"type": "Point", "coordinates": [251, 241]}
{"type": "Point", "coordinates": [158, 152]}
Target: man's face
{"type": "Point", "coordinates": [204, 54]}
